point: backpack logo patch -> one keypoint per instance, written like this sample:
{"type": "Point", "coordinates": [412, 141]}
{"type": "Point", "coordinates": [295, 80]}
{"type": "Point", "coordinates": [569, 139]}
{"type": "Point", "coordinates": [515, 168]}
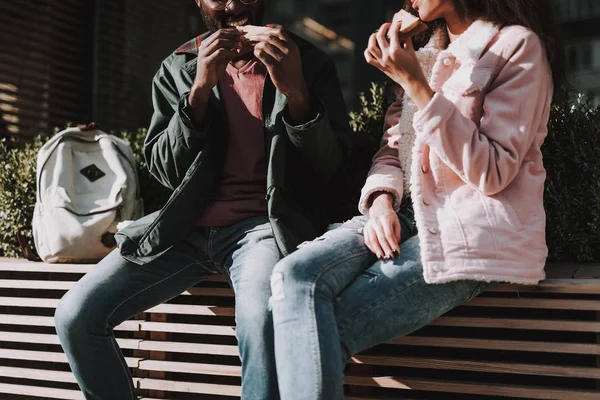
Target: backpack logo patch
{"type": "Point", "coordinates": [92, 172]}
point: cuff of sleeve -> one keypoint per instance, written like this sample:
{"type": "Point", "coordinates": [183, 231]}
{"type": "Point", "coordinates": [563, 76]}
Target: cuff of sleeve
{"type": "Point", "coordinates": [297, 131]}
{"type": "Point", "coordinates": [427, 120]}
{"type": "Point", "coordinates": [185, 112]}
{"type": "Point", "coordinates": [381, 183]}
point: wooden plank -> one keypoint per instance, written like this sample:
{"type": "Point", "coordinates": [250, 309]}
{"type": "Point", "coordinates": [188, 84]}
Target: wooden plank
{"type": "Point", "coordinates": [474, 388]}
{"type": "Point", "coordinates": [570, 286]}
{"type": "Point", "coordinates": [553, 304]}
{"type": "Point", "coordinates": [32, 320]}
{"type": "Point", "coordinates": [503, 345]}
{"type": "Point", "coordinates": [185, 309]}
{"type": "Point", "coordinates": [191, 348]}
{"type": "Point", "coordinates": [188, 328]}
{"type": "Point", "coordinates": [37, 374]}
{"type": "Point", "coordinates": [43, 392]}
{"type": "Point", "coordinates": [561, 270]}
{"type": "Point", "coordinates": [40, 338]}
{"type": "Point", "coordinates": [28, 302]}
{"type": "Point", "coordinates": [41, 374]}
{"type": "Point", "coordinates": [209, 292]}
{"type": "Point", "coordinates": [191, 368]}
{"type": "Point", "coordinates": [588, 272]}
{"type": "Point", "coordinates": [22, 265]}
{"type": "Point", "coordinates": [48, 356]}
{"type": "Point", "coordinates": [33, 284]}
{"type": "Point", "coordinates": [522, 324]}
{"type": "Point", "coordinates": [190, 387]}
{"type": "Point", "coordinates": [480, 366]}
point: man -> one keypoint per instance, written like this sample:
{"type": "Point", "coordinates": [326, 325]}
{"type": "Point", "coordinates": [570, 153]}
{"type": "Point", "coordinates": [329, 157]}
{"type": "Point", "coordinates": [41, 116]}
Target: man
{"type": "Point", "coordinates": [249, 142]}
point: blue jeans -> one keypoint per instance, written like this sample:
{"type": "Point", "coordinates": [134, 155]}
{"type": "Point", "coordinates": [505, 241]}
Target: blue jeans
{"type": "Point", "coordinates": [116, 290]}
{"type": "Point", "coordinates": [332, 299]}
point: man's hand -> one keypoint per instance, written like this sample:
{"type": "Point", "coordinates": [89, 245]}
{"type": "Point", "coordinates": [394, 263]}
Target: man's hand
{"type": "Point", "coordinates": [382, 231]}
{"type": "Point", "coordinates": [278, 52]}
{"type": "Point", "coordinates": [213, 56]}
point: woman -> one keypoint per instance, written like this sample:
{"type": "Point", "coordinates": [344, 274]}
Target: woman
{"type": "Point", "coordinates": [464, 138]}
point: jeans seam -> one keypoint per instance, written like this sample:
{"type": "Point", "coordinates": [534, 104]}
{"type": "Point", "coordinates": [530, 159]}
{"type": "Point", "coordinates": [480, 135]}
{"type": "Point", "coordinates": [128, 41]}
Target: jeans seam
{"type": "Point", "coordinates": [150, 287]}
{"type": "Point", "coordinates": [314, 328]}
{"type": "Point", "coordinates": [125, 368]}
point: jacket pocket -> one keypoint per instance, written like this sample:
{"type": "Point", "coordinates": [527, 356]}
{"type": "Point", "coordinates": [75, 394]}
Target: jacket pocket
{"type": "Point", "coordinates": [511, 214]}
{"type": "Point", "coordinates": [468, 80]}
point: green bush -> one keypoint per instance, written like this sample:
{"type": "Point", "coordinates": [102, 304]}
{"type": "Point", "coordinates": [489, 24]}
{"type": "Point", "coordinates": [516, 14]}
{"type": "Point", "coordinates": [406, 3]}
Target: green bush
{"type": "Point", "coordinates": [571, 157]}
{"type": "Point", "coordinates": [17, 198]}
{"type": "Point", "coordinates": [572, 198]}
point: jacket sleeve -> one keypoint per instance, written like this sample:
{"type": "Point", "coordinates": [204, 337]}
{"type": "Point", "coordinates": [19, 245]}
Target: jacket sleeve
{"type": "Point", "coordinates": [386, 174]}
{"type": "Point", "coordinates": [488, 158]}
{"type": "Point", "coordinates": [173, 142]}
{"type": "Point", "coordinates": [325, 141]}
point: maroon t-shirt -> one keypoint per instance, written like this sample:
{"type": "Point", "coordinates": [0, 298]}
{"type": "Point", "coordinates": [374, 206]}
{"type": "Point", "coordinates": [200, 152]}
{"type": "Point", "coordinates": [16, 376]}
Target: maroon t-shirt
{"type": "Point", "coordinates": [241, 192]}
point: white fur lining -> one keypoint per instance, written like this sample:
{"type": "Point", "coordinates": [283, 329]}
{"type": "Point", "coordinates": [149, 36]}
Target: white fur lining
{"type": "Point", "coordinates": [470, 45]}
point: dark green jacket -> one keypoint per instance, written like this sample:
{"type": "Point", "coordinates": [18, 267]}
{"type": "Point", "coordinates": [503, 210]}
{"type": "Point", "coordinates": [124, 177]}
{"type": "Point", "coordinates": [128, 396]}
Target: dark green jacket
{"type": "Point", "coordinates": [302, 160]}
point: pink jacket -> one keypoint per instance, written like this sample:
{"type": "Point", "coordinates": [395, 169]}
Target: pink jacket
{"type": "Point", "coordinates": [477, 176]}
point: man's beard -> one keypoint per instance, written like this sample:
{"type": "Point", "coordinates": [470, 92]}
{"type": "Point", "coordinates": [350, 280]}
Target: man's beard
{"type": "Point", "coordinates": [213, 25]}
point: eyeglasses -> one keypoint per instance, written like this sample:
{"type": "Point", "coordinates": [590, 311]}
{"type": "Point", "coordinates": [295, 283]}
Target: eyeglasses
{"type": "Point", "coordinates": [222, 4]}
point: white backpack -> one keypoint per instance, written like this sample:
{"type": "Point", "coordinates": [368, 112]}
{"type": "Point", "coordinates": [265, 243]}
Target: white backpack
{"type": "Point", "coordinates": [87, 183]}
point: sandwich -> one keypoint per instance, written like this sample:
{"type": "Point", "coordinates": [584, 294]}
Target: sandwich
{"type": "Point", "coordinates": [409, 25]}
{"type": "Point", "coordinates": [251, 36]}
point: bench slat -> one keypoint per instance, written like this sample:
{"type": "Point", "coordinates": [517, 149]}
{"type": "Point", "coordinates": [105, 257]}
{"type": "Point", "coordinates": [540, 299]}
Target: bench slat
{"type": "Point", "coordinates": [494, 344]}
{"type": "Point", "coordinates": [39, 338]}
{"type": "Point", "coordinates": [184, 309]}
{"type": "Point", "coordinates": [486, 389]}
{"type": "Point", "coordinates": [44, 392]}
{"type": "Point", "coordinates": [480, 366]}
{"type": "Point", "coordinates": [47, 356]}
{"type": "Point", "coordinates": [522, 324]}
{"type": "Point", "coordinates": [209, 292]}
{"type": "Point", "coordinates": [28, 302]}
{"type": "Point", "coordinates": [37, 374]}
{"type": "Point", "coordinates": [566, 286]}
{"type": "Point", "coordinates": [190, 368]}
{"type": "Point", "coordinates": [189, 387]}
{"type": "Point", "coordinates": [188, 328]}
{"type": "Point", "coordinates": [33, 320]}
{"type": "Point", "coordinates": [554, 304]}
{"type": "Point", "coordinates": [33, 285]}
{"type": "Point", "coordinates": [191, 348]}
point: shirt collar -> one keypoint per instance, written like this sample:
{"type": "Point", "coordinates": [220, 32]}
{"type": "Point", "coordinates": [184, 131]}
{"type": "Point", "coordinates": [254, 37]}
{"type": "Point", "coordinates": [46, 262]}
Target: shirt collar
{"type": "Point", "coordinates": [470, 45]}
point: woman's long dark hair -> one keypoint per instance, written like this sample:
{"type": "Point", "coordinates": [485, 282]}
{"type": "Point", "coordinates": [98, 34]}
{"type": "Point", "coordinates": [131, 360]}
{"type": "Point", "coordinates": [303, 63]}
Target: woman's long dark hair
{"type": "Point", "coordinates": [533, 14]}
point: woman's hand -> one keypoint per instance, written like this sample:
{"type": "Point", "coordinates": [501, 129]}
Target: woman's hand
{"type": "Point", "coordinates": [398, 61]}
{"type": "Point", "coordinates": [382, 231]}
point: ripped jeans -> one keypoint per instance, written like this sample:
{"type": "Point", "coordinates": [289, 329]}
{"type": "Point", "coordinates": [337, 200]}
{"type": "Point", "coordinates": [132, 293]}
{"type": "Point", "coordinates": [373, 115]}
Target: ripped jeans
{"type": "Point", "coordinates": [332, 298]}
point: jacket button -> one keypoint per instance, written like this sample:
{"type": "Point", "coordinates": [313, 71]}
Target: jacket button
{"type": "Point", "coordinates": [433, 230]}
{"type": "Point", "coordinates": [268, 197]}
{"type": "Point", "coordinates": [424, 169]}
{"type": "Point", "coordinates": [447, 62]}
{"type": "Point", "coordinates": [426, 202]}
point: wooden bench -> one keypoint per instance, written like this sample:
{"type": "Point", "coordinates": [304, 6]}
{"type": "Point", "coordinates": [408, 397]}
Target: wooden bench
{"type": "Point", "coordinates": [513, 342]}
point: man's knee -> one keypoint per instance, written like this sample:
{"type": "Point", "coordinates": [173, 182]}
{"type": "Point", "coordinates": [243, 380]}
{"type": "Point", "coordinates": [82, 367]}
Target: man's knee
{"type": "Point", "coordinates": [253, 321]}
{"type": "Point", "coordinates": [69, 318]}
